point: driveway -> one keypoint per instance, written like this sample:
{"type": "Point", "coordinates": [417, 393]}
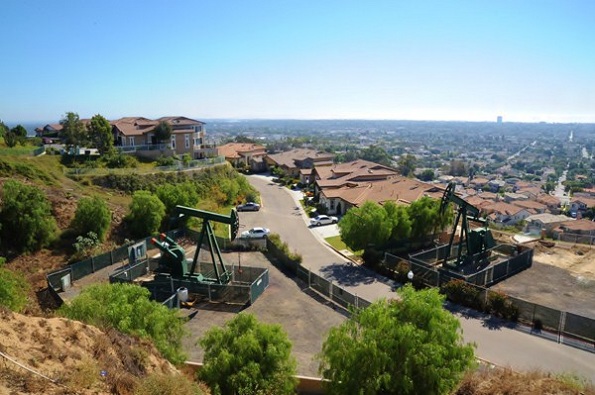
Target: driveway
{"type": "Point", "coordinates": [282, 213]}
{"type": "Point", "coordinates": [497, 343]}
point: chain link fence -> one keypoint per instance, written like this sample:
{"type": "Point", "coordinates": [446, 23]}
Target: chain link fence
{"type": "Point", "coordinates": [568, 328]}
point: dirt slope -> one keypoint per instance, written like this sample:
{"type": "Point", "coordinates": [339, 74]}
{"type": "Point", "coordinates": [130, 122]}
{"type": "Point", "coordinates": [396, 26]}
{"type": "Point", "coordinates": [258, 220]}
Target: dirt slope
{"type": "Point", "coordinates": [79, 358]}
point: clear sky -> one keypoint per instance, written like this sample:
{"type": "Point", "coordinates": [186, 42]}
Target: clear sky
{"type": "Point", "coordinates": [312, 59]}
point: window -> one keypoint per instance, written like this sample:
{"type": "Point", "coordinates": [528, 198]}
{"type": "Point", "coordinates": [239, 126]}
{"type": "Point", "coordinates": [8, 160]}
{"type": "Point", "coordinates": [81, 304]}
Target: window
{"type": "Point", "coordinates": [187, 140]}
{"type": "Point", "coordinates": [131, 141]}
{"type": "Point", "coordinates": [198, 128]}
{"type": "Point", "coordinates": [173, 142]}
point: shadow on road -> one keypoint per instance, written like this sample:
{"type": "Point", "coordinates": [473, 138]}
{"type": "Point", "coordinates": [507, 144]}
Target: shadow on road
{"type": "Point", "coordinates": [348, 275]}
{"type": "Point", "coordinates": [487, 320]}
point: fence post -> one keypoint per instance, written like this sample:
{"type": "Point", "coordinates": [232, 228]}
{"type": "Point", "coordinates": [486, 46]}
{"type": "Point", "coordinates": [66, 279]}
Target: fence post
{"type": "Point", "coordinates": [330, 290]}
{"type": "Point", "coordinates": [561, 325]}
{"type": "Point", "coordinates": [309, 278]}
{"type": "Point", "coordinates": [92, 265]}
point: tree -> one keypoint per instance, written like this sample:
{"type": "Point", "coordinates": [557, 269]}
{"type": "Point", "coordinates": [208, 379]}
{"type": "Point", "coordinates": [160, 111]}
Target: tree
{"type": "Point", "coordinates": [92, 215]}
{"type": "Point", "coordinates": [407, 346]}
{"type": "Point", "coordinates": [10, 139]}
{"type": "Point", "coordinates": [425, 217]}
{"type": "Point", "coordinates": [248, 357]}
{"type": "Point", "coordinates": [127, 308]}
{"type": "Point", "coordinates": [427, 175]}
{"type": "Point", "coordinates": [376, 154]}
{"type": "Point", "coordinates": [146, 214]}
{"type": "Point", "coordinates": [20, 133]}
{"type": "Point", "coordinates": [73, 130]}
{"type": "Point", "coordinates": [457, 168]}
{"type": "Point", "coordinates": [400, 222]}
{"type": "Point", "coordinates": [162, 131]}
{"type": "Point", "coordinates": [13, 289]}
{"type": "Point", "coordinates": [100, 134]}
{"type": "Point", "coordinates": [365, 226]}
{"type": "Point", "coordinates": [407, 165]}
{"type": "Point", "coordinates": [177, 195]}
{"type": "Point", "coordinates": [26, 217]}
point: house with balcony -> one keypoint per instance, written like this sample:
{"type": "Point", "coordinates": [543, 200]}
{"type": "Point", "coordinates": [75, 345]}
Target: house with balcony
{"type": "Point", "coordinates": [137, 135]}
{"type": "Point", "coordinates": [244, 155]}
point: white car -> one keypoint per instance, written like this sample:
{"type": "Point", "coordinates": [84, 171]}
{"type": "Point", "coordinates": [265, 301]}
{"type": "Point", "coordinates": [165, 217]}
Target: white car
{"type": "Point", "coordinates": [323, 220]}
{"type": "Point", "coordinates": [255, 233]}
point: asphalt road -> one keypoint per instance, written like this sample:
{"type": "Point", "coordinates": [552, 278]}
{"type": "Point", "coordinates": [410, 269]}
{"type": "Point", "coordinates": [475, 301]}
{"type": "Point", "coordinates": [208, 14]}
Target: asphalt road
{"type": "Point", "coordinates": [495, 342]}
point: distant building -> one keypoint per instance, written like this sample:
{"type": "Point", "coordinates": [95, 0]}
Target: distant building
{"type": "Point", "coordinates": [499, 119]}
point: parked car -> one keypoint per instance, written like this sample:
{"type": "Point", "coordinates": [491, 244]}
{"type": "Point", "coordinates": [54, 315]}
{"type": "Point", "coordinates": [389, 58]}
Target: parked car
{"type": "Point", "coordinates": [255, 233]}
{"type": "Point", "coordinates": [250, 206]}
{"type": "Point", "coordinates": [323, 220]}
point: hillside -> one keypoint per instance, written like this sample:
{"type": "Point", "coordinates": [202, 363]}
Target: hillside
{"type": "Point", "coordinates": [74, 354]}
{"type": "Point", "coordinates": [78, 358]}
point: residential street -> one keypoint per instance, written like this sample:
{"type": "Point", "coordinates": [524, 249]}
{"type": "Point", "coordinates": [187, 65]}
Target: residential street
{"type": "Point", "coordinates": [496, 343]}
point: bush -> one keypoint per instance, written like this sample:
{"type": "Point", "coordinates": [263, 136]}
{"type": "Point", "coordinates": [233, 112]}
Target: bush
{"type": "Point", "coordinates": [92, 216]}
{"type": "Point", "coordinates": [117, 160]}
{"type": "Point", "coordinates": [165, 161]}
{"type": "Point", "coordinates": [146, 214]}
{"type": "Point", "coordinates": [461, 292]}
{"type": "Point", "coordinates": [282, 253]}
{"type": "Point", "coordinates": [499, 305]}
{"type": "Point", "coordinates": [26, 218]}
{"type": "Point", "coordinates": [248, 357]}
{"type": "Point", "coordinates": [13, 289]}
{"type": "Point", "coordinates": [127, 308]}
{"type": "Point", "coordinates": [407, 346]}
{"type": "Point", "coordinates": [85, 246]}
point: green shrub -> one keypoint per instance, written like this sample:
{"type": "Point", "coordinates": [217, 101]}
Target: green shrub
{"type": "Point", "coordinates": [408, 345]}
{"type": "Point", "coordinates": [92, 216]}
{"type": "Point", "coordinates": [281, 251]}
{"type": "Point", "coordinates": [127, 308]}
{"type": "Point", "coordinates": [248, 357]}
{"type": "Point", "coordinates": [146, 214]}
{"type": "Point", "coordinates": [117, 160]}
{"type": "Point", "coordinates": [461, 292]}
{"type": "Point", "coordinates": [165, 161]}
{"type": "Point", "coordinates": [499, 305]}
{"type": "Point", "coordinates": [13, 289]}
{"type": "Point", "coordinates": [26, 218]}
{"type": "Point", "coordinates": [85, 246]}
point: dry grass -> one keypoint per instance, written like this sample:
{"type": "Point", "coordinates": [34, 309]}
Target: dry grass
{"type": "Point", "coordinates": [158, 384]}
{"type": "Point", "coordinates": [500, 381]}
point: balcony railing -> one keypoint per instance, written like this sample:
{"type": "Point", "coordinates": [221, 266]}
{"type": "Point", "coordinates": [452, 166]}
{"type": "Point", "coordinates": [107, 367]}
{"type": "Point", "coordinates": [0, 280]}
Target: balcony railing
{"type": "Point", "coordinates": [143, 147]}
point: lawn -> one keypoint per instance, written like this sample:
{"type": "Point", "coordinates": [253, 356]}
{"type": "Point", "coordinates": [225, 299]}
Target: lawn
{"type": "Point", "coordinates": [338, 245]}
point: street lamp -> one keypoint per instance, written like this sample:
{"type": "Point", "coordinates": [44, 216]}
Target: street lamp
{"type": "Point", "coordinates": [410, 275]}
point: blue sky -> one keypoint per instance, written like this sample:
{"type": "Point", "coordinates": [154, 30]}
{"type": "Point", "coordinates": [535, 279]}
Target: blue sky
{"type": "Point", "coordinates": [445, 60]}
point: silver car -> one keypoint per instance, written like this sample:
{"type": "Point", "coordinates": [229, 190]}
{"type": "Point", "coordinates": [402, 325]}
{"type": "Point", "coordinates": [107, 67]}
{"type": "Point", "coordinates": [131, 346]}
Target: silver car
{"type": "Point", "coordinates": [323, 220]}
{"type": "Point", "coordinates": [250, 206]}
{"type": "Point", "coordinates": [255, 233]}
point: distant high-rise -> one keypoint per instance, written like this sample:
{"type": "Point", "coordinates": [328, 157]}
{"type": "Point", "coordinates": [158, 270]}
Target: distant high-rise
{"type": "Point", "coordinates": [499, 119]}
